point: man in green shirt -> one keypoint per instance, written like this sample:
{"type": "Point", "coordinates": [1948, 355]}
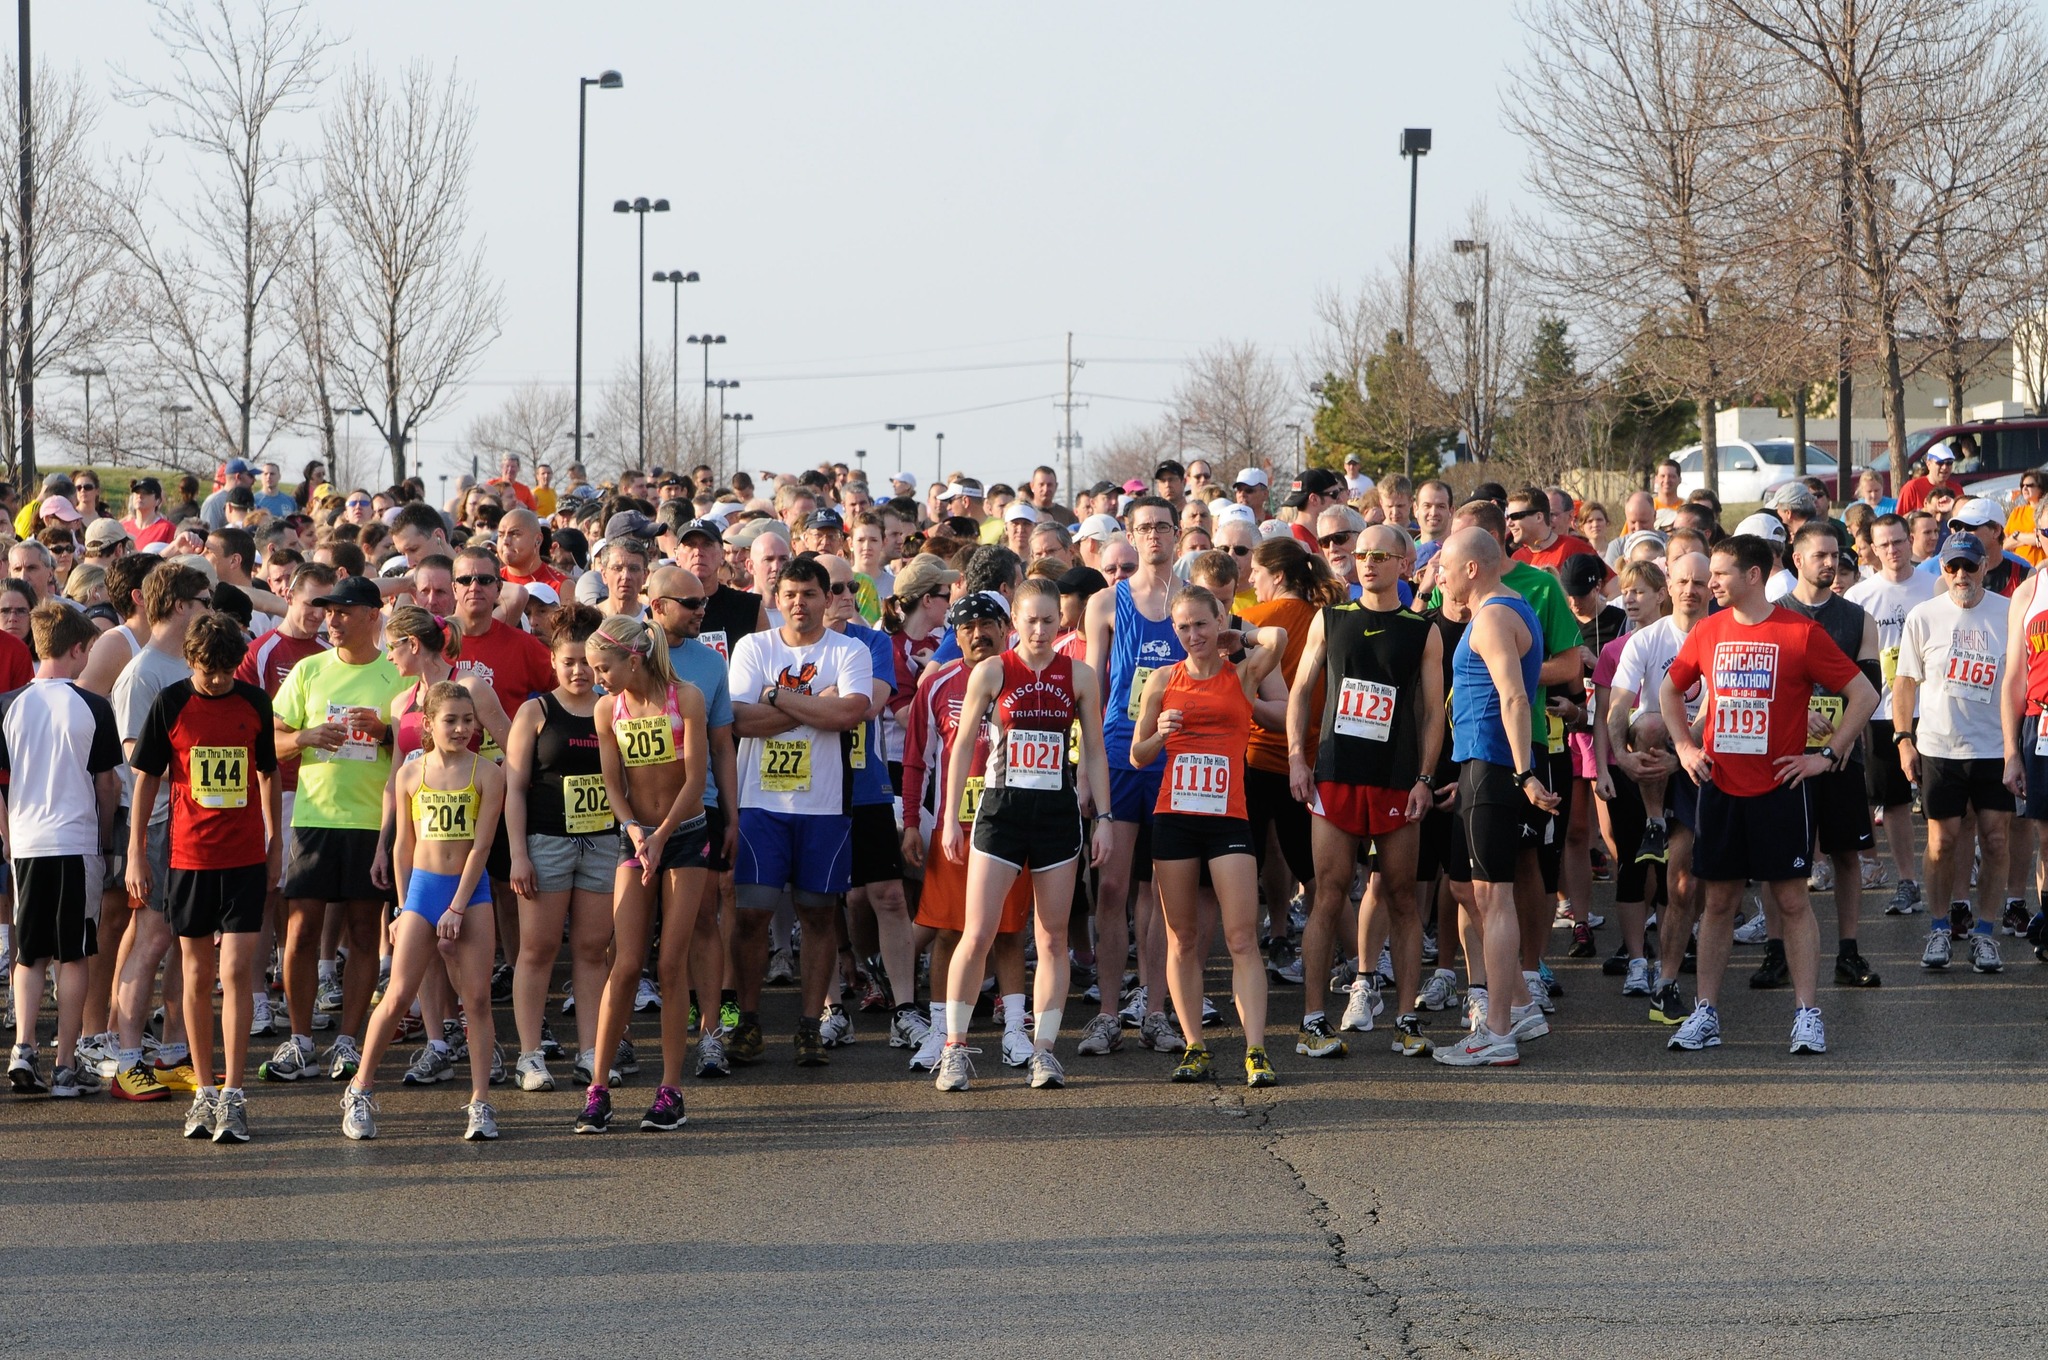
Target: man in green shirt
{"type": "Point", "coordinates": [331, 708]}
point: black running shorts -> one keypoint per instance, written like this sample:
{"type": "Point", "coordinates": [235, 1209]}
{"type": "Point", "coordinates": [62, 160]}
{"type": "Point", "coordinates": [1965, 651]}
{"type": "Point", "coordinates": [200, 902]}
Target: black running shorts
{"type": "Point", "coordinates": [1494, 811]}
{"type": "Point", "coordinates": [56, 908]}
{"type": "Point", "coordinates": [1028, 828]}
{"type": "Point", "coordinates": [1948, 788]}
{"type": "Point", "coordinates": [877, 845]}
{"type": "Point", "coordinates": [1187, 835]}
{"type": "Point", "coordinates": [1841, 811]}
{"type": "Point", "coordinates": [204, 902]}
{"type": "Point", "coordinates": [1768, 837]}
{"type": "Point", "coordinates": [1885, 780]}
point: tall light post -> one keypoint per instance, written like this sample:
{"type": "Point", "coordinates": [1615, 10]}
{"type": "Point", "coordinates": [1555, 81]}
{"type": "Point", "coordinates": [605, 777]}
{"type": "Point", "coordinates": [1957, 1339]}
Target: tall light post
{"type": "Point", "coordinates": [938, 457]}
{"type": "Point", "coordinates": [609, 80]}
{"type": "Point", "coordinates": [736, 417]}
{"type": "Point", "coordinates": [1485, 249]}
{"type": "Point", "coordinates": [640, 207]}
{"type": "Point", "coordinates": [860, 461]}
{"type": "Point", "coordinates": [1414, 146]}
{"type": "Point", "coordinates": [88, 372]}
{"type": "Point", "coordinates": [705, 342]}
{"type": "Point", "coordinates": [901, 430]}
{"type": "Point", "coordinates": [175, 410]}
{"type": "Point", "coordinates": [348, 441]}
{"type": "Point", "coordinates": [675, 350]}
{"type": "Point", "coordinates": [723, 385]}
{"type": "Point", "coordinates": [1295, 426]}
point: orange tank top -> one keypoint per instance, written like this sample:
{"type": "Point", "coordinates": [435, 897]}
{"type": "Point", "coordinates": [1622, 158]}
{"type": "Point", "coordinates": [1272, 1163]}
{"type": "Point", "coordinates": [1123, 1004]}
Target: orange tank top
{"type": "Point", "coordinates": [1205, 759]}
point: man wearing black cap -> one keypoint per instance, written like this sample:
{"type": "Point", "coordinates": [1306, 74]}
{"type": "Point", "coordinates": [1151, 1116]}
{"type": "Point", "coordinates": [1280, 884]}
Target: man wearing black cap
{"type": "Point", "coordinates": [1315, 491]}
{"type": "Point", "coordinates": [729, 614]}
{"type": "Point", "coordinates": [824, 532]}
{"type": "Point", "coordinates": [1170, 480]}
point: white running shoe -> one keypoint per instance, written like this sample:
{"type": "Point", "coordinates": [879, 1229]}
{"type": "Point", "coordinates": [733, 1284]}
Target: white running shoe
{"type": "Point", "coordinates": [430, 1065]}
{"type": "Point", "coordinates": [647, 996]}
{"type": "Point", "coordinates": [781, 967]}
{"type": "Point", "coordinates": [1702, 1029]}
{"type": "Point", "coordinates": [712, 1061]}
{"type": "Point", "coordinates": [1984, 956]}
{"type": "Point", "coordinates": [835, 1026]}
{"type": "Point", "coordinates": [1638, 981]}
{"type": "Point", "coordinates": [483, 1122]}
{"type": "Point", "coordinates": [1822, 879]}
{"type": "Point", "coordinates": [1753, 931]}
{"type": "Point", "coordinates": [1439, 991]}
{"type": "Point", "coordinates": [1159, 1034]}
{"type": "Point", "coordinates": [1809, 1035]}
{"type": "Point", "coordinates": [926, 1059]}
{"type": "Point", "coordinates": [1539, 992]}
{"type": "Point", "coordinates": [1475, 1008]}
{"type": "Point", "coordinates": [1935, 956]}
{"type": "Point", "coordinates": [1481, 1048]}
{"type": "Point", "coordinates": [909, 1029]}
{"type": "Point", "coordinates": [1101, 1036]}
{"type": "Point", "coordinates": [956, 1068]}
{"type": "Point", "coordinates": [1016, 1047]}
{"type": "Point", "coordinates": [259, 1017]}
{"type": "Point", "coordinates": [1046, 1071]}
{"type": "Point", "coordinates": [357, 1109]}
{"type": "Point", "coordinates": [1133, 1013]}
{"type": "Point", "coordinates": [532, 1072]}
{"type": "Point", "coordinates": [1358, 1011]}
{"type": "Point", "coordinates": [1527, 1022]}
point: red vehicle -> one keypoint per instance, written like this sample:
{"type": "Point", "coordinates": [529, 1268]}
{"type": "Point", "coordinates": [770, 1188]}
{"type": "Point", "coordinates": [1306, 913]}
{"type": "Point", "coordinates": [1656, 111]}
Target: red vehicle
{"type": "Point", "coordinates": [2002, 446]}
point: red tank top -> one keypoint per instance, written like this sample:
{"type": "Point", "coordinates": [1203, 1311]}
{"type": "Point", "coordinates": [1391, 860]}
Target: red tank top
{"type": "Point", "coordinates": [1034, 710]}
{"type": "Point", "coordinates": [1205, 759]}
{"type": "Point", "coordinates": [2036, 626]}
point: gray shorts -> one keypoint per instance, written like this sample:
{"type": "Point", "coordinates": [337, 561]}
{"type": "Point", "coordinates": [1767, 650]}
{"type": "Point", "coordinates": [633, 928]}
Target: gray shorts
{"type": "Point", "coordinates": [587, 863]}
{"type": "Point", "coordinates": [158, 845]}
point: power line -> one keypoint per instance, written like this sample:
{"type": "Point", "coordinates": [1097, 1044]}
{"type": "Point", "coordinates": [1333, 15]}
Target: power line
{"type": "Point", "coordinates": [920, 415]}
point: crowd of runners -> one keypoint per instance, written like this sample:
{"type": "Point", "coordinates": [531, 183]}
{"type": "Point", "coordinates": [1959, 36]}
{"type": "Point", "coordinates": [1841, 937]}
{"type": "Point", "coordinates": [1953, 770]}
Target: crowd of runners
{"type": "Point", "coordinates": [357, 771]}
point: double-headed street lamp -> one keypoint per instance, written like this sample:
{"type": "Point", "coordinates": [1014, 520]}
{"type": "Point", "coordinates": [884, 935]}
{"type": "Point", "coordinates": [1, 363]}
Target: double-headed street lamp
{"type": "Point", "coordinates": [736, 417]}
{"type": "Point", "coordinates": [901, 430]}
{"type": "Point", "coordinates": [640, 207]}
{"type": "Point", "coordinates": [723, 385]}
{"type": "Point", "coordinates": [705, 342]}
{"type": "Point", "coordinates": [88, 372]}
{"type": "Point", "coordinates": [675, 350]}
{"type": "Point", "coordinates": [610, 80]}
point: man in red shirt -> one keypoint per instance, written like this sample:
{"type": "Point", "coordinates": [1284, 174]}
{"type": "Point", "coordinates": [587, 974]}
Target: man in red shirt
{"type": "Point", "coordinates": [1315, 491]}
{"type": "Point", "coordinates": [519, 540]}
{"type": "Point", "coordinates": [1941, 461]}
{"type": "Point", "coordinates": [1537, 540]}
{"type": "Point", "coordinates": [507, 482]}
{"type": "Point", "coordinates": [1758, 664]}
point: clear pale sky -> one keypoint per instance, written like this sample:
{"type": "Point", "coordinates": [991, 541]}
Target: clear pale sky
{"type": "Point", "coordinates": [877, 188]}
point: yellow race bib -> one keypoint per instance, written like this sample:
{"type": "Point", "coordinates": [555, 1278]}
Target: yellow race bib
{"type": "Point", "coordinates": [446, 814]}
{"type": "Point", "coordinates": [785, 766]}
{"type": "Point", "coordinates": [1556, 742]}
{"type": "Point", "coordinates": [645, 741]}
{"type": "Point", "coordinates": [859, 759]}
{"type": "Point", "coordinates": [970, 798]}
{"type": "Point", "coordinates": [220, 776]}
{"type": "Point", "coordinates": [1138, 679]}
{"type": "Point", "coordinates": [1829, 706]}
{"type": "Point", "coordinates": [586, 807]}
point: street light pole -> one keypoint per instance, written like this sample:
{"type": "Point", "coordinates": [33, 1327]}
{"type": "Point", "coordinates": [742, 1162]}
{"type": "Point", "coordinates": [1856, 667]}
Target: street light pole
{"type": "Point", "coordinates": [609, 80]}
{"type": "Point", "coordinates": [938, 458]}
{"type": "Point", "coordinates": [675, 351]}
{"type": "Point", "coordinates": [640, 207]}
{"type": "Point", "coordinates": [706, 341]}
{"type": "Point", "coordinates": [736, 417]}
{"type": "Point", "coordinates": [1296, 427]}
{"type": "Point", "coordinates": [723, 384]}
{"type": "Point", "coordinates": [1485, 249]}
{"type": "Point", "coordinates": [901, 430]}
{"type": "Point", "coordinates": [88, 372]}
{"type": "Point", "coordinates": [1414, 145]}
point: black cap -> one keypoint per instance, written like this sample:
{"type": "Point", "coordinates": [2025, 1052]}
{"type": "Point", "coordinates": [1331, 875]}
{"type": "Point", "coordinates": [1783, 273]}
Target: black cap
{"type": "Point", "coordinates": [1104, 489]}
{"type": "Point", "coordinates": [148, 484]}
{"type": "Point", "coordinates": [710, 528]}
{"type": "Point", "coordinates": [1296, 499]}
{"type": "Point", "coordinates": [982, 604]}
{"type": "Point", "coordinates": [1082, 581]}
{"type": "Point", "coordinates": [1581, 572]}
{"type": "Point", "coordinates": [630, 524]}
{"type": "Point", "coordinates": [1319, 482]}
{"type": "Point", "coordinates": [824, 519]}
{"type": "Point", "coordinates": [1169, 468]}
{"type": "Point", "coordinates": [353, 592]}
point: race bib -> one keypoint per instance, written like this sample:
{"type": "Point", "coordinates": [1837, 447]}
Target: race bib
{"type": "Point", "coordinates": [859, 759]}
{"type": "Point", "coordinates": [1138, 679]}
{"type": "Point", "coordinates": [586, 807]}
{"type": "Point", "coordinates": [1365, 709]}
{"type": "Point", "coordinates": [220, 776]}
{"type": "Point", "coordinates": [1972, 675]}
{"type": "Point", "coordinates": [360, 744]}
{"type": "Point", "coordinates": [716, 642]}
{"type": "Point", "coordinates": [1742, 727]}
{"type": "Point", "coordinates": [645, 741]}
{"type": "Point", "coordinates": [1555, 729]}
{"type": "Point", "coordinates": [785, 766]}
{"type": "Point", "coordinates": [1888, 665]}
{"type": "Point", "coordinates": [1201, 784]}
{"type": "Point", "coordinates": [446, 814]}
{"type": "Point", "coordinates": [1074, 742]}
{"type": "Point", "coordinates": [1829, 706]}
{"type": "Point", "coordinates": [970, 797]}
{"type": "Point", "coordinates": [489, 749]}
{"type": "Point", "coordinates": [1034, 760]}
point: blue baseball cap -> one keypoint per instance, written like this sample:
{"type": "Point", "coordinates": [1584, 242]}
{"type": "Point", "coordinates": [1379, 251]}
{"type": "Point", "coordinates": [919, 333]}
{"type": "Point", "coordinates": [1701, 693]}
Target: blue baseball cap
{"type": "Point", "coordinates": [1963, 546]}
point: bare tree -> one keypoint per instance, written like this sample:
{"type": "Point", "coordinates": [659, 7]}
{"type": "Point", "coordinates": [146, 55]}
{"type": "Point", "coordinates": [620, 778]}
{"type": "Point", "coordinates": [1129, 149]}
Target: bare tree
{"type": "Point", "coordinates": [1643, 124]}
{"type": "Point", "coordinates": [1135, 451]}
{"type": "Point", "coordinates": [611, 439]}
{"type": "Point", "coordinates": [1234, 402]}
{"type": "Point", "coordinates": [207, 313]}
{"type": "Point", "coordinates": [416, 309]}
{"type": "Point", "coordinates": [529, 424]}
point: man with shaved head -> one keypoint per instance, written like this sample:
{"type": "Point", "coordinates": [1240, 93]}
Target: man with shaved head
{"type": "Point", "coordinates": [519, 550]}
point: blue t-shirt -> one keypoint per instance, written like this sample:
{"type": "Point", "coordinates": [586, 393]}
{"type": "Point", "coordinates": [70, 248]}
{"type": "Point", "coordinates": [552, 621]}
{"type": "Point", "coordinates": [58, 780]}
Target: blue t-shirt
{"type": "Point", "coordinates": [871, 785]}
{"type": "Point", "coordinates": [947, 650]}
{"type": "Point", "coordinates": [698, 665]}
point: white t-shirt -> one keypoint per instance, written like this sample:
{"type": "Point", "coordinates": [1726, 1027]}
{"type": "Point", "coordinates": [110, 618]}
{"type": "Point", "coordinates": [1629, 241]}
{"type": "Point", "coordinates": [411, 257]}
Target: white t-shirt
{"type": "Point", "coordinates": [1957, 655]}
{"type": "Point", "coordinates": [54, 737]}
{"type": "Point", "coordinates": [1780, 585]}
{"type": "Point", "coordinates": [802, 770]}
{"type": "Point", "coordinates": [1644, 659]}
{"type": "Point", "coordinates": [1889, 602]}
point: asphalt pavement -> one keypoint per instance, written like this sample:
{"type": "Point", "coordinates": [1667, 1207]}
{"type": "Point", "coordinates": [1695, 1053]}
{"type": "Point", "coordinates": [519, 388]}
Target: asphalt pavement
{"type": "Point", "coordinates": [1607, 1198]}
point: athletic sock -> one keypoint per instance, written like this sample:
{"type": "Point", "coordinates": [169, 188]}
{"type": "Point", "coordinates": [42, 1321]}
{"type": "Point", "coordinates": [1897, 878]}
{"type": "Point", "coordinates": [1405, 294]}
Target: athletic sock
{"type": "Point", "coordinates": [1013, 1010]}
{"type": "Point", "coordinates": [1310, 1017]}
{"type": "Point", "coordinates": [129, 1057]}
{"type": "Point", "coordinates": [326, 970]}
{"type": "Point", "coordinates": [438, 1045]}
{"type": "Point", "coordinates": [939, 1016]}
{"type": "Point", "coordinates": [207, 1091]}
{"type": "Point", "coordinates": [233, 1091]}
{"type": "Point", "coordinates": [959, 1014]}
{"type": "Point", "coordinates": [170, 1055]}
{"type": "Point", "coordinates": [1045, 1030]}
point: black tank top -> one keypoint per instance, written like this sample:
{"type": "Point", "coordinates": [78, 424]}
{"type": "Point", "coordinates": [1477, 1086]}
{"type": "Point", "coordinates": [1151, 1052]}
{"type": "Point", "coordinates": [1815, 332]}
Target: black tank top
{"type": "Point", "coordinates": [566, 749]}
{"type": "Point", "coordinates": [729, 615]}
{"type": "Point", "coordinates": [1371, 695]}
{"type": "Point", "coordinates": [1842, 620]}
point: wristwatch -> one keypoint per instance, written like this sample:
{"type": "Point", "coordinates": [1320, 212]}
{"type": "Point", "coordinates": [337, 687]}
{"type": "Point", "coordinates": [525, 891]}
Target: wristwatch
{"type": "Point", "coordinates": [1833, 759]}
{"type": "Point", "coordinates": [1898, 737]}
{"type": "Point", "coordinates": [1522, 779]}
{"type": "Point", "coordinates": [1427, 781]}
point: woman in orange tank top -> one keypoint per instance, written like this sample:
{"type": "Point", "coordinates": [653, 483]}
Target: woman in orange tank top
{"type": "Point", "coordinates": [1199, 712]}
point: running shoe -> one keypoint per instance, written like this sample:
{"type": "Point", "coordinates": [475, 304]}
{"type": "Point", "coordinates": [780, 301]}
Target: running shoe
{"type": "Point", "coordinates": [1481, 1048]}
{"type": "Point", "coordinates": [1905, 899]}
{"type": "Point", "coordinates": [873, 995]}
{"type": "Point", "coordinates": [1527, 1022]}
{"type": "Point", "coordinates": [1774, 972]}
{"type": "Point", "coordinates": [1852, 970]}
{"type": "Point", "coordinates": [1935, 956]}
{"type": "Point", "coordinates": [1194, 1065]}
{"type": "Point", "coordinates": [383, 982]}
{"type": "Point", "coordinates": [531, 1071]}
{"type": "Point", "coordinates": [68, 1083]}
{"type": "Point", "coordinates": [2016, 917]}
{"type": "Point", "coordinates": [597, 1111]}
{"type": "Point", "coordinates": [199, 1118]}
{"type": "Point", "coordinates": [327, 996]}
{"type": "Point", "coordinates": [410, 1027]}
{"type": "Point", "coordinates": [99, 1052]}
{"type": "Point", "coordinates": [1358, 1010]}
{"type": "Point", "coordinates": [1408, 1040]}
{"type": "Point", "coordinates": [1343, 973]}
{"type": "Point", "coordinates": [646, 997]}
{"type": "Point", "coordinates": [1317, 1040]}
{"type": "Point", "coordinates": [1875, 875]}
{"type": "Point", "coordinates": [1702, 1029]}
{"type": "Point", "coordinates": [1582, 943]}
{"type": "Point", "coordinates": [568, 1006]}
{"type": "Point", "coordinates": [1160, 1034]}
{"type": "Point", "coordinates": [1822, 879]}
{"type": "Point", "coordinates": [1475, 1008]}
{"type": "Point", "coordinates": [432, 1064]}
{"type": "Point", "coordinates": [1134, 1011]}
{"type": "Point", "coordinates": [501, 987]}
{"type": "Point", "coordinates": [1375, 987]}
{"type": "Point", "coordinates": [665, 1115]}
{"type": "Point", "coordinates": [626, 1062]}
{"type": "Point", "coordinates": [22, 1074]}
{"type": "Point", "coordinates": [1439, 991]}
{"type": "Point", "coordinates": [908, 1027]}
{"type": "Point", "coordinates": [291, 1061]}
{"type": "Point", "coordinates": [1101, 1036]}
{"type": "Point", "coordinates": [711, 1059]}
{"type": "Point", "coordinates": [343, 1059]}
{"type": "Point", "coordinates": [1551, 986]}
{"type": "Point", "coordinates": [231, 1117]}
{"type": "Point", "coordinates": [550, 1046]}
{"type": "Point", "coordinates": [1616, 964]}
{"type": "Point", "coordinates": [455, 1034]}
{"type": "Point", "coordinates": [810, 1046]}
{"type": "Point", "coordinates": [1540, 987]}
{"type": "Point", "coordinates": [781, 968]}
{"type": "Point", "coordinates": [1755, 930]}
{"type": "Point", "coordinates": [1655, 846]}
{"type": "Point", "coordinates": [138, 1082]}
{"type": "Point", "coordinates": [1016, 1048]}
{"type": "Point", "coordinates": [1961, 920]}
{"type": "Point", "coordinates": [1383, 968]}
{"type": "Point", "coordinates": [483, 1122]}
{"type": "Point", "coordinates": [747, 1044]}
{"type": "Point", "coordinates": [1667, 1004]}
{"type": "Point", "coordinates": [357, 1113]}
{"type": "Point", "coordinates": [728, 1016]}
{"type": "Point", "coordinates": [956, 1068]}
{"type": "Point", "coordinates": [1638, 983]}
{"type": "Point", "coordinates": [1984, 953]}
{"type": "Point", "coordinates": [1210, 1015]}
{"type": "Point", "coordinates": [177, 1076]}
{"type": "Point", "coordinates": [1809, 1035]}
{"type": "Point", "coordinates": [260, 1018]}
{"type": "Point", "coordinates": [926, 1059]}
{"type": "Point", "coordinates": [1289, 972]}
{"type": "Point", "coordinates": [1258, 1068]}
{"type": "Point", "coordinates": [1046, 1070]}
{"type": "Point", "coordinates": [835, 1026]}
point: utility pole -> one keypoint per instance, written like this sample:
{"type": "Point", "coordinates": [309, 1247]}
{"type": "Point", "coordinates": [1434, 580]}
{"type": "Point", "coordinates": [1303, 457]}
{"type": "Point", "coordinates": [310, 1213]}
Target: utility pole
{"type": "Point", "coordinates": [1068, 441]}
{"type": "Point", "coordinates": [1415, 144]}
{"type": "Point", "coordinates": [24, 79]}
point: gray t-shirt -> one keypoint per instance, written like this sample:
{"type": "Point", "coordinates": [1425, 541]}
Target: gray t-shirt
{"type": "Point", "coordinates": [149, 674]}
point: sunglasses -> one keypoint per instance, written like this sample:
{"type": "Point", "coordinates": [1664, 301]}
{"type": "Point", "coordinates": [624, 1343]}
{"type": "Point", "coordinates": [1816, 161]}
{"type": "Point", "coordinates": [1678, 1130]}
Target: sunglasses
{"type": "Point", "coordinates": [1375, 555]}
{"type": "Point", "coordinates": [359, 505]}
{"type": "Point", "coordinates": [844, 588]}
{"type": "Point", "coordinates": [1238, 550]}
{"type": "Point", "coordinates": [1961, 565]}
{"type": "Point", "coordinates": [1525, 514]}
{"type": "Point", "coordinates": [690, 602]}
{"type": "Point", "coordinates": [1338, 540]}
{"type": "Point", "coordinates": [477, 580]}
{"type": "Point", "coordinates": [88, 486]}
{"type": "Point", "coordinates": [1121, 569]}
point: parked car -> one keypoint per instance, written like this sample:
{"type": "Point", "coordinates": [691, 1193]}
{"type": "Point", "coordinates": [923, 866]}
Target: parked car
{"type": "Point", "coordinates": [1749, 470]}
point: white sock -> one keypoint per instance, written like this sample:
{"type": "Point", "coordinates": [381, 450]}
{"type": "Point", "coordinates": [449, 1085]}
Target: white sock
{"type": "Point", "coordinates": [1046, 1030]}
{"type": "Point", "coordinates": [1013, 1010]}
{"type": "Point", "coordinates": [208, 1091]}
{"type": "Point", "coordinates": [438, 1045]}
{"type": "Point", "coordinates": [939, 1016]}
{"type": "Point", "coordinates": [326, 967]}
{"type": "Point", "coordinates": [959, 1015]}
